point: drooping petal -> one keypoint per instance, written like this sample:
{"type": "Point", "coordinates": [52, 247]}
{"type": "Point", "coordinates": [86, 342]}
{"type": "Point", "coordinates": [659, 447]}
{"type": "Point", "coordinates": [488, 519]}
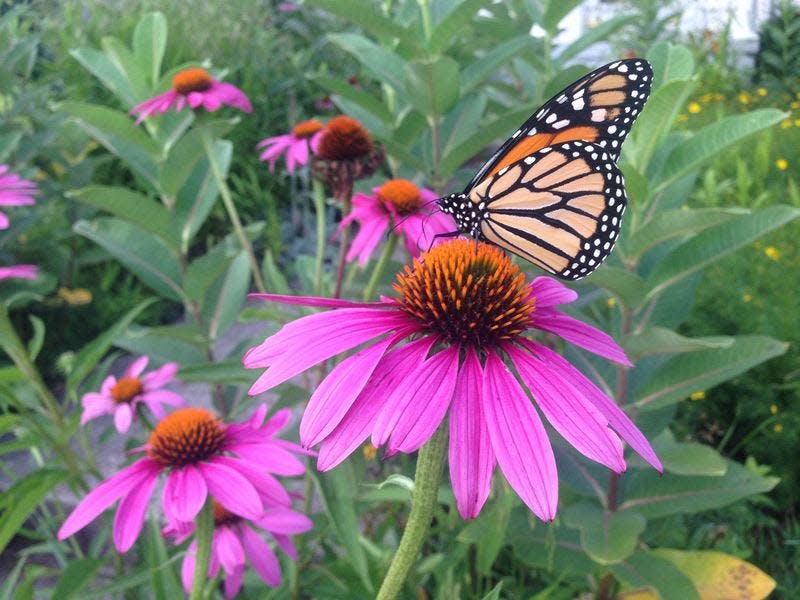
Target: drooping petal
{"type": "Point", "coordinates": [184, 494]}
{"type": "Point", "coordinates": [132, 511]}
{"type": "Point", "coordinates": [95, 405]}
{"type": "Point", "coordinates": [471, 457]}
{"type": "Point", "coordinates": [421, 411]}
{"type": "Point", "coordinates": [275, 423]}
{"type": "Point", "coordinates": [369, 235]}
{"type": "Point", "coordinates": [574, 417]}
{"type": "Point", "coordinates": [337, 392]}
{"type": "Point", "coordinates": [357, 424]}
{"type": "Point", "coordinates": [285, 543]}
{"type": "Point", "coordinates": [161, 376]}
{"type": "Point", "coordinates": [231, 489]}
{"type": "Point", "coordinates": [123, 415]}
{"type": "Point", "coordinates": [270, 490]}
{"type": "Point", "coordinates": [187, 567]}
{"type": "Point", "coordinates": [159, 397]}
{"type": "Point", "coordinates": [108, 492]}
{"type": "Point", "coordinates": [617, 418]}
{"type": "Point", "coordinates": [228, 548]}
{"type": "Point", "coordinates": [550, 292]}
{"type": "Point", "coordinates": [261, 557]}
{"type": "Point", "coordinates": [519, 440]}
{"type": "Point", "coordinates": [581, 334]}
{"type": "Point", "coordinates": [285, 521]}
{"type": "Point", "coordinates": [271, 457]}
{"type": "Point", "coordinates": [233, 582]}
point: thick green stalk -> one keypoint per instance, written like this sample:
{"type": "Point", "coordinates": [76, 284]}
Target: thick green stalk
{"type": "Point", "coordinates": [426, 485]}
{"type": "Point", "coordinates": [380, 266]}
{"type": "Point", "coordinates": [230, 207]}
{"type": "Point", "coordinates": [204, 531]}
{"type": "Point", "coordinates": [321, 217]}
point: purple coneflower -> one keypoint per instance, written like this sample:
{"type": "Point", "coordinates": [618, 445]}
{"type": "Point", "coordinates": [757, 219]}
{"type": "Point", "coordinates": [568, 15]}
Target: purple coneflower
{"type": "Point", "coordinates": [450, 342]}
{"type": "Point", "coordinates": [120, 397]}
{"type": "Point", "coordinates": [237, 541]}
{"type": "Point", "coordinates": [19, 272]}
{"type": "Point", "coordinates": [201, 455]}
{"type": "Point", "coordinates": [195, 87]}
{"type": "Point", "coordinates": [295, 144]}
{"type": "Point", "coordinates": [14, 191]}
{"type": "Point", "coordinates": [399, 204]}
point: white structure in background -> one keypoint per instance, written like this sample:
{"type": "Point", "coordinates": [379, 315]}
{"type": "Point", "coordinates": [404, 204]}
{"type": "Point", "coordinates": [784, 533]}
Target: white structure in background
{"type": "Point", "coordinates": [745, 17]}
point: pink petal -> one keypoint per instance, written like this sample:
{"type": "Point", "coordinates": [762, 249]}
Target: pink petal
{"type": "Point", "coordinates": [108, 385]}
{"type": "Point", "coordinates": [228, 549]}
{"type": "Point", "coordinates": [271, 457]}
{"type": "Point", "coordinates": [519, 440]}
{"type": "Point", "coordinates": [549, 292]}
{"type": "Point", "coordinates": [132, 511]}
{"type": "Point", "coordinates": [315, 140]}
{"type": "Point", "coordinates": [94, 405]}
{"type": "Point", "coordinates": [108, 492]}
{"type": "Point", "coordinates": [276, 422]}
{"type": "Point", "coordinates": [184, 493]}
{"type": "Point", "coordinates": [356, 425]}
{"type": "Point", "coordinates": [270, 490]}
{"type": "Point", "coordinates": [283, 140]}
{"type": "Point", "coordinates": [581, 334]}
{"type": "Point", "coordinates": [370, 233]}
{"type": "Point", "coordinates": [337, 392]}
{"type": "Point", "coordinates": [230, 488]}
{"type": "Point", "coordinates": [423, 411]}
{"type": "Point", "coordinates": [317, 302]}
{"type": "Point", "coordinates": [187, 567]}
{"type": "Point", "coordinates": [156, 398]}
{"type": "Point", "coordinates": [470, 454]}
{"type": "Point", "coordinates": [137, 367]}
{"type": "Point", "coordinates": [123, 415]}
{"type": "Point", "coordinates": [161, 376]}
{"type": "Point", "coordinates": [233, 582]}
{"type": "Point", "coordinates": [261, 556]}
{"type": "Point", "coordinates": [617, 418]}
{"type": "Point", "coordinates": [285, 521]}
{"type": "Point", "coordinates": [574, 417]}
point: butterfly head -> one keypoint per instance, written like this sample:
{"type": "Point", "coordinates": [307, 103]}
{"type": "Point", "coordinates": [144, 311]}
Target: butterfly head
{"type": "Point", "coordinates": [462, 209]}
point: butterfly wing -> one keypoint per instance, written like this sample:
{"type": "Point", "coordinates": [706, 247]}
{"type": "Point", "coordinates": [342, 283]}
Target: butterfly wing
{"type": "Point", "coordinates": [599, 108]}
{"type": "Point", "coordinates": [559, 208]}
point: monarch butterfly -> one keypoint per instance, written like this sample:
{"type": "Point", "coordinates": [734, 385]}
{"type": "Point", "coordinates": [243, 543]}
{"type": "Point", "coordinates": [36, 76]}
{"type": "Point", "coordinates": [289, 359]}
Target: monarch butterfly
{"type": "Point", "coordinates": [552, 194]}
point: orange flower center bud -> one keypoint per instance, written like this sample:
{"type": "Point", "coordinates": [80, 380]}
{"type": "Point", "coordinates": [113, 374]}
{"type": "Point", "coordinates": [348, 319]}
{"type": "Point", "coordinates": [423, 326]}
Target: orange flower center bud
{"type": "Point", "coordinates": [306, 129]}
{"type": "Point", "coordinates": [344, 138]}
{"type": "Point", "coordinates": [192, 80]}
{"type": "Point", "coordinates": [222, 516]}
{"type": "Point", "coordinates": [187, 436]}
{"type": "Point", "coordinates": [126, 389]}
{"type": "Point", "coordinates": [468, 293]}
{"type": "Point", "coordinates": [402, 194]}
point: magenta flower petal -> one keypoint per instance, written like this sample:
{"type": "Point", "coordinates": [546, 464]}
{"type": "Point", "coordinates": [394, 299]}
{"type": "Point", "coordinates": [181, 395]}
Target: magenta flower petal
{"type": "Point", "coordinates": [108, 492]}
{"type": "Point", "coordinates": [367, 239]}
{"type": "Point", "coordinates": [471, 457]}
{"type": "Point", "coordinates": [315, 301]}
{"type": "Point", "coordinates": [187, 567]}
{"type": "Point", "coordinates": [16, 271]}
{"type": "Point", "coordinates": [285, 543]}
{"type": "Point", "coordinates": [357, 424]}
{"type": "Point", "coordinates": [230, 488]}
{"type": "Point", "coordinates": [137, 367]}
{"type": "Point", "coordinates": [272, 458]}
{"type": "Point", "coordinates": [233, 582]}
{"type": "Point", "coordinates": [161, 376]}
{"type": "Point", "coordinates": [421, 411]}
{"type": "Point", "coordinates": [550, 292]}
{"type": "Point", "coordinates": [228, 549]}
{"type": "Point", "coordinates": [95, 405]}
{"type": "Point", "coordinates": [270, 490]}
{"type": "Point", "coordinates": [579, 333]}
{"type": "Point", "coordinates": [184, 493]}
{"type": "Point", "coordinates": [276, 422]}
{"type": "Point", "coordinates": [123, 415]}
{"type": "Point", "coordinates": [261, 557]}
{"type": "Point", "coordinates": [519, 440]}
{"type": "Point", "coordinates": [575, 418]}
{"type": "Point", "coordinates": [285, 521]}
{"type": "Point", "coordinates": [337, 392]}
{"type": "Point", "coordinates": [617, 418]}
{"type": "Point", "coordinates": [132, 511]}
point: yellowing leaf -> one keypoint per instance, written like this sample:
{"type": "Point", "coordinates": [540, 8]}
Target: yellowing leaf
{"type": "Point", "coordinates": [638, 594]}
{"type": "Point", "coordinates": [720, 576]}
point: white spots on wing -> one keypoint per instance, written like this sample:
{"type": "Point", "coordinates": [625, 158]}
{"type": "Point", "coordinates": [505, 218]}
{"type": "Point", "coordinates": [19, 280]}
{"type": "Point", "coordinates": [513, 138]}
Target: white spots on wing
{"type": "Point", "coordinates": [533, 131]}
{"type": "Point", "coordinates": [529, 160]}
{"type": "Point", "coordinates": [598, 115]}
{"type": "Point", "coordinates": [516, 133]}
{"type": "Point", "coordinates": [612, 128]}
{"type": "Point", "coordinates": [560, 124]}
{"type": "Point", "coordinates": [550, 118]}
{"type": "Point", "coordinates": [561, 99]}
{"type": "Point", "coordinates": [622, 68]}
{"type": "Point", "coordinates": [578, 103]}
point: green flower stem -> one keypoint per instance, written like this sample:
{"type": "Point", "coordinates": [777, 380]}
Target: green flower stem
{"type": "Point", "coordinates": [344, 242]}
{"type": "Point", "coordinates": [227, 200]}
{"type": "Point", "coordinates": [426, 485]}
{"type": "Point", "coordinates": [380, 266]}
{"type": "Point", "coordinates": [204, 530]}
{"type": "Point", "coordinates": [319, 209]}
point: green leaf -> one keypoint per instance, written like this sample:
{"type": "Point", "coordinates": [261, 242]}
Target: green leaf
{"type": "Point", "coordinates": [150, 43]}
{"type": "Point", "coordinates": [712, 244]}
{"type": "Point", "coordinates": [22, 498]}
{"type": "Point", "coordinates": [689, 458]}
{"type": "Point", "coordinates": [711, 140]}
{"type": "Point", "coordinates": [133, 207]}
{"type": "Point", "coordinates": [76, 575]}
{"type": "Point", "coordinates": [37, 339]}
{"type": "Point", "coordinates": [204, 271]}
{"type": "Point", "coordinates": [488, 531]}
{"type": "Point", "coordinates": [644, 569]}
{"type": "Point", "coordinates": [365, 14]}
{"type": "Point", "coordinates": [102, 67]}
{"type": "Point", "coordinates": [474, 74]}
{"type": "Point", "coordinates": [701, 370]}
{"type": "Point", "coordinates": [145, 255]}
{"type": "Point", "coordinates": [227, 296]}
{"type": "Point", "coordinates": [381, 64]}
{"type": "Point", "coordinates": [116, 131]}
{"type": "Point", "coordinates": [275, 280]}
{"type": "Point", "coordinates": [670, 224]}
{"type": "Point", "coordinates": [494, 594]}
{"type": "Point", "coordinates": [452, 23]}
{"type": "Point", "coordinates": [93, 352]}
{"type": "Point", "coordinates": [181, 161]}
{"type": "Point", "coordinates": [626, 286]}
{"type": "Point", "coordinates": [181, 344]}
{"type": "Point", "coordinates": [432, 85]}
{"type": "Point", "coordinates": [337, 490]}
{"type": "Point", "coordinates": [555, 13]}
{"type": "Point", "coordinates": [463, 121]}
{"type": "Point", "coordinates": [607, 537]}
{"type": "Point", "coordinates": [229, 372]}
{"type": "Point", "coordinates": [660, 340]}
{"type": "Point", "coordinates": [653, 495]}
{"type": "Point", "coordinates": [670, 62]}
{"type": "Point", "coordinates": [366, 101]}
{"type": "Point", "coordinates": [588, 38]}
{"type": "Point", "coordinates": [126, 63]}
{"type": "Point", "coordinates": [555, 548]}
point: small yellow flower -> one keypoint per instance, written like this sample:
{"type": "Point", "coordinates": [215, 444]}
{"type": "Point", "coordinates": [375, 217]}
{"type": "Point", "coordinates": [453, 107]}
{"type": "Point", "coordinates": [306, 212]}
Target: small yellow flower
{"type": "Point", "coordinates": [774, 409]}
{"type": "Point", "coordinates": [694, 108]}
{"type": "Point", "coordinates": [744, 98]}
{"type": "Point", "coordinates": [706, 98]}
{"type": "Point", "coordinates": [772, 252]}
{"type": "Point", "coordinates": [747, 297]}
{"type": "Point", "coordinates": [797, 122]}
{"type": "Point", "coordinates": [697, 396]}
{"type": "Point", "coordinates": [797, 95]}
{"type": "Point", "coordinates": [786, 123]}
{"type": "Point", "coordinates": [683, 118]}
{"type": "Point", "coordinates": [76, 297]}
{"type": "Point", "coordinates": [611, 302]}
{"type": "Point", "coordinates": [777, 428]}
{"type": "Point", "coordinates": [782, 164]}
{"type": "Point", "coordinates": [762, 91]}
{"type": "Point", "coordinates": [794, 105]}
{"type": "Point", "coordinates": [370, 451]}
